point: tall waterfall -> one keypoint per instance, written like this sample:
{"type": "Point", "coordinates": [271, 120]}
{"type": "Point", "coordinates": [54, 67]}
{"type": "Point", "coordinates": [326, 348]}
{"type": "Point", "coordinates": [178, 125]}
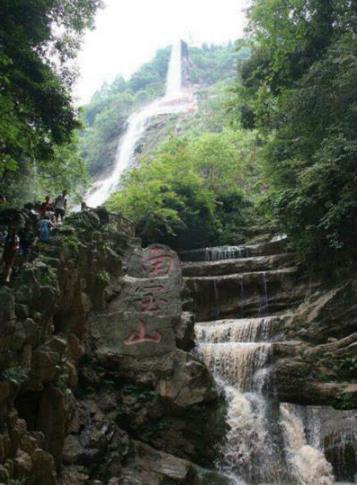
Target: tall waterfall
{"type": "Point", "coordinates": [174, 73]}
{"type": "Point", "coordinates": [176, 100]}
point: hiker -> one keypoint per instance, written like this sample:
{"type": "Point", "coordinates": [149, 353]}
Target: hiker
{"type": "Point", "coordinates": [44, 227]}
{"type": "Point", "coordinates": [10, 248]}
{"type": "Point", "coordinates": [46, 206]}
{"type": "Point", "coordinates": [61, 206]}
{"type": "Point", "coordinates": [27, 239]}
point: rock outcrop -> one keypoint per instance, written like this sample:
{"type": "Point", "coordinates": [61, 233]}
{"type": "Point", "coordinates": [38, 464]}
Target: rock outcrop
{"type": "Point", "coordinates": [95, 380]}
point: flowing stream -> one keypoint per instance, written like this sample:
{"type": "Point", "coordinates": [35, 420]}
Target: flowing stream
{"type": "Point", "coordinates": [268, 442]}
{"type": "Point", "coordinates": [176, 100]}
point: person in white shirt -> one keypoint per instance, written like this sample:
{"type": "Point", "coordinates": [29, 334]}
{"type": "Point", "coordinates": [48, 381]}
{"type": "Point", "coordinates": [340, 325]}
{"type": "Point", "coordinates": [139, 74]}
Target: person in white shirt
{"type": "Point", "coordinates": [61, 206]}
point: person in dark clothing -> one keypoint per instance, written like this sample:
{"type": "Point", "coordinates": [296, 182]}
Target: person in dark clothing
{"type": "Point", "coordinates": [27, 239]}
{"type": "Point", "coordinates": [11, 247]}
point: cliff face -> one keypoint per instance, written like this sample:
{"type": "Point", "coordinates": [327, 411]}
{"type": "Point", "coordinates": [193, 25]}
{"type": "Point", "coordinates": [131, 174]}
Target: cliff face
{"type": "Point", "coordinates": [95, 378]}
{"type": "Point", "coordinates": [98, 383]}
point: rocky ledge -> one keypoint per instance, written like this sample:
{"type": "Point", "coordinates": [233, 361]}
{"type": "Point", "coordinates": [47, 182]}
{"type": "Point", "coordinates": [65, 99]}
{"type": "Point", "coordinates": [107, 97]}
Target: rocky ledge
{"type": "Point", "coordinates": [96, 381]}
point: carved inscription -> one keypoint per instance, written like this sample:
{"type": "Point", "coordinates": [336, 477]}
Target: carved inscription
{"type": "Point", "coordinates": [151, 299]}
{"type": "Point", "coordinates": [160, 262]}
{"type": "Point", "coordinates": [150, 295]}
{"type": "Point", "coordinates": [141, 335]}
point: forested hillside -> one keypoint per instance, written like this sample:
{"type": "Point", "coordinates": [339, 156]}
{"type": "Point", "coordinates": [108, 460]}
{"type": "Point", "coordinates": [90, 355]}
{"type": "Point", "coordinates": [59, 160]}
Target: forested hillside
{"type": "Point", "coordinates": [193, 320]}
{"type": "Point", "coordinates": [299, 90]}
{"type": "Point", "coordinates": [293, 105]}
{"type": "Point", "coordinates": [105, 116]}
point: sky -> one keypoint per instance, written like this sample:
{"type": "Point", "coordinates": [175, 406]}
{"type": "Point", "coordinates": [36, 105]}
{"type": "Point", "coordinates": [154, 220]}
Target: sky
{"type": "Point", "coordinates": [128, 33]}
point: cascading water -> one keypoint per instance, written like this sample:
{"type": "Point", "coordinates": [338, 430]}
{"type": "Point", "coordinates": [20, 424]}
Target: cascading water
{"type": "Point", "coordinates": [225, 252]}
{"type": "Point", "coordinates": [308, 463]}
{"type": "Point", "coordinates": [267, 442]}
{"type": "Point", "coordinates": [237, 351]}
{"type": "Point", "coordinates": [176, 100]}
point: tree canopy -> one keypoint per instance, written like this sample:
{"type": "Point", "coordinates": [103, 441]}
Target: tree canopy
{"type": "Point", "coordinates": [192, 191]}
{"type": "Point", "coordinates": [299, 89]}
{"type": "Point", "coordinates": [38, 41]}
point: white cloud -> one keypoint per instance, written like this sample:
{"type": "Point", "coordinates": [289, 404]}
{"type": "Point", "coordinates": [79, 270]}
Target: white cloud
{"type": "Point", "coordinates": [128, 32]}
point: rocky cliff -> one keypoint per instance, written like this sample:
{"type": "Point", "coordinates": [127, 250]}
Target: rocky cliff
{"type": "Point", "coordinates": [96, 381]}
{"type": "Point", "coordinates": [99, 378]}
{"type": "Point", "coordinates": [284, 346]}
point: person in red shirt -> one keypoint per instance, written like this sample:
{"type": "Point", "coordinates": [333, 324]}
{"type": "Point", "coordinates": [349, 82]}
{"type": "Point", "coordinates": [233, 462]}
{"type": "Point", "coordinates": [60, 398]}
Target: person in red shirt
{"type": "Point", "coordinates": [46, 206]}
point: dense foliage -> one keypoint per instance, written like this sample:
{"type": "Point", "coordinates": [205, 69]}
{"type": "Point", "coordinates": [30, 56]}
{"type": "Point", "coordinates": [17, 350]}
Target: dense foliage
{"type": "Point", "coordinates": [299, 89]}
{"type": "Point", "coordinates": [193, 191]}
{"type": "Point", "coordinates": [38, 40]}
{"type": "Point", "coordinates": [212, 63]}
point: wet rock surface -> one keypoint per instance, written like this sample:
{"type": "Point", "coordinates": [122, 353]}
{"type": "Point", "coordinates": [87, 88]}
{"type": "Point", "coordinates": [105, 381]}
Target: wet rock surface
{"type": "Point", "coordinates": [271, 334]}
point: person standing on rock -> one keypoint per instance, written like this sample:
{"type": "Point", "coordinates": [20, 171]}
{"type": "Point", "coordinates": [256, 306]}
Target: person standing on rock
{"type": "Point", "coordinates": [61, 206]}
{"type": "Point", "coordinates": [11, 247]}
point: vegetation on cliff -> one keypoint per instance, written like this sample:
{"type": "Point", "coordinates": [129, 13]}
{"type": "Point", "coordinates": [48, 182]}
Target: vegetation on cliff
{"type": "Point", "coordinates": [193, 191]}
{"type": "Point", "coordinates": [104, 118]}
{"type": "Point", "coordinates": [299, 90]}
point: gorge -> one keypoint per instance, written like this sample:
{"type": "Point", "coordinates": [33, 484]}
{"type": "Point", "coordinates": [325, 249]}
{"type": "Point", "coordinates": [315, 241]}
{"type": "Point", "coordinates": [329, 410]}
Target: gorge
{"type": "Point", "coordinates": [123, 363]}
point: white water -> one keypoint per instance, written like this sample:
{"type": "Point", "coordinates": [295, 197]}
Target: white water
{"type": "Point", "coordinates": [225, 252]}
{"type": "Point", "coordinates": [231, 330]}
{"type": "Point", "coordinates": [266, 442]}
{"type": "Point", "coordinates": [309, 463]}
{"type": "Point", "coordinates": [176, 100]}
{"type": "Point", "coordinates": [230, 349]}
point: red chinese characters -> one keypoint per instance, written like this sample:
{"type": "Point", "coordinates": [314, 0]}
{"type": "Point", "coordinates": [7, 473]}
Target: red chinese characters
{"type": "Point", "coordinates": [141, 335]}
{"type": "Point", "coordinates": [160, 263]}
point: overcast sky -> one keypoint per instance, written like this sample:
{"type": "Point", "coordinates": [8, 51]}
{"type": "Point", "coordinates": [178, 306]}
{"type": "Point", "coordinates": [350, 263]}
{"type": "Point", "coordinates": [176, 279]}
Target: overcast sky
{"type": "Point", "coordinates": [128, 32]}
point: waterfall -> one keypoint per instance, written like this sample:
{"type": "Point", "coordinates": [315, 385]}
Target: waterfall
{"type": "Point", "coordinates": [267, 442]}
{"type": "Point", "coordinates": [238, 351]}
{"type": "Point", "coordinates": [242, 330]}
{"type": "Point", "coordinates": [174, 73]}
{"type": "Point", "coordinates": [176, 100]}
{"type": "Point", "coordinates": [225, 252]}
{"type": "Point", "coordinates": [309, 464]}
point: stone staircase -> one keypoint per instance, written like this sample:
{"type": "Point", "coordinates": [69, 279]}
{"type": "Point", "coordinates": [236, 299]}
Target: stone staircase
{"type": "Point", "coordinates": [246, 281]}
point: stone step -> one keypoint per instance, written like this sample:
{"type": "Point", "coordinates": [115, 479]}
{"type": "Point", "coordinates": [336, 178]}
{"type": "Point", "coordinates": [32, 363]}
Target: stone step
{"type": "Point", "coordinates": [235, 266]}
{"type": "Point", "coordinates": [216, 253]}
{"type": "Point", "coordinates": [245, 294]}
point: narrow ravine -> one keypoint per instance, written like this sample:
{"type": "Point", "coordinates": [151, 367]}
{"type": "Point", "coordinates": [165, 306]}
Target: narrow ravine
{"type": "Point", "coordinates": [242, 297]}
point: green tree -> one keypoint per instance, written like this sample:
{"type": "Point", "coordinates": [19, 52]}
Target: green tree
{"type": "Point", "coordinates": [37, 41]}
{"type": "Point", "coordinates": [299, 89]}
{"type": "Point", "coordinates": [190, 193]}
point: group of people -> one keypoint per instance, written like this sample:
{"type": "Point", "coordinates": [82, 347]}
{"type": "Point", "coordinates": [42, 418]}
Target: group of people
{"type": "Point", "coordinates": [47, 215]}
